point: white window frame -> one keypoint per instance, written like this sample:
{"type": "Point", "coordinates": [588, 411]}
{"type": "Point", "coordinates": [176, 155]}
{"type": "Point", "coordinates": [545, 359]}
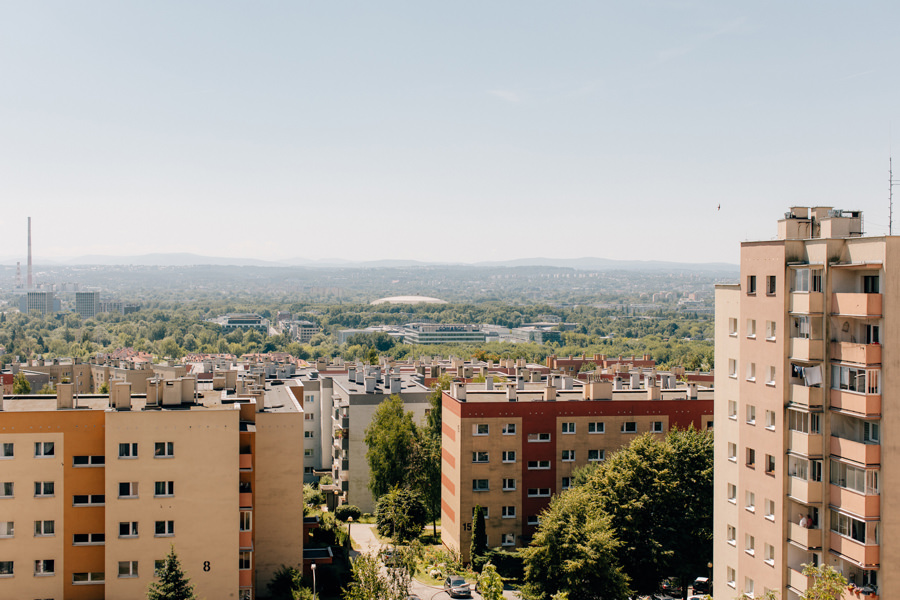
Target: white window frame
{"type": "Point", "coordinates": [44, 449]}
{"type": "Point", "coordinates": [597, 427]}
{"type": "Point", "coordinates": [509, 484]}
{"type": "Point", "coordinates": [128, 569]}
{"type": "Point", "coordinates": [164, 450]}
{"type": "Point", "coordinates": [508, 512]}
{"type": "Point", "coordinates": [509, 429]}
{"type": "Point", "coordinates": [168, 528]}
{"type": "Point", "coordinates": [128, 451]}
{"type": "Point", "coordinates": [480, 429]}
{"type": "Point", "coordinates": [45, 528]}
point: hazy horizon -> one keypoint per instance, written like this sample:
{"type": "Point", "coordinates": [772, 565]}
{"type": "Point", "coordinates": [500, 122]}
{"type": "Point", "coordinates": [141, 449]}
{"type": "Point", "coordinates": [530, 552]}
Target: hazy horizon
{"type": "Point", "coordinates": [454, 133]}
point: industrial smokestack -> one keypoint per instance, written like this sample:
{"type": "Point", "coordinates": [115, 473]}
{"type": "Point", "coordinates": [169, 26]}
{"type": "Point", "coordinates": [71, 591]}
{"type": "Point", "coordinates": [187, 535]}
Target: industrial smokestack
{"type": "Point", "coordinates": [30, 282]}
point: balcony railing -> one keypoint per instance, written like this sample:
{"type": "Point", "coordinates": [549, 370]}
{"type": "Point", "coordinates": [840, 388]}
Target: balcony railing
{"type": "Point", "coordinates": [808, 538]}
{"type": "Point", "coordinates": [807, 302]}
{"type": "Point", "coordinates": [864, 505]}
{"type": "Point", "coordinates": [806, 349]}
{"type": "Point", "coordinates": [863, 354]}
{"type": "Point", "coordinates": [806, 396]}
{"type": "Point", "coordinates": [807, 444]}
{"type": "Point", "coordinates": [863, 554]}
{"type": "Point", "coordinates": [868, 405]}
{"type": "Point", "coordinates": [798, 581]}
{"type": "Point", "coordinates": [859, 452]}
{"type": "Point", "coordinates": [246, 462]}
{"type": "Point", "coordinates": [805, 491]}
{"type": "Point", "coordinates": [859, 305]}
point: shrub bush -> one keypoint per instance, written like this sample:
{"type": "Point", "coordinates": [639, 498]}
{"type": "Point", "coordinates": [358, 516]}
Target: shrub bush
{"type": "Point", "coordinates": [344, 511]}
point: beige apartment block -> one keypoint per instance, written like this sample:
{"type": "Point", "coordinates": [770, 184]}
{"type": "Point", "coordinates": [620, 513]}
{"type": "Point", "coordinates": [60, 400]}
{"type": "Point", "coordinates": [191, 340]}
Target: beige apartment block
{"type": "Point", "coordinates": [96, 489]}
{"type": "Point", "coordinates": [803, 409]}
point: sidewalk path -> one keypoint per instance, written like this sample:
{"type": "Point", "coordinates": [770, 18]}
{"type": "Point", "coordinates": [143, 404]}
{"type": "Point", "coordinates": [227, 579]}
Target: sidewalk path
{"type": "Point", "coordinates": [364, 539]}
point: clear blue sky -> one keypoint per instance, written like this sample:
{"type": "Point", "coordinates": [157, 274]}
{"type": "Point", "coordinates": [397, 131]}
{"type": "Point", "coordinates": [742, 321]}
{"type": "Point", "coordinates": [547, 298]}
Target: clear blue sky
{"type": "Point", "coordinates": [449, 131]}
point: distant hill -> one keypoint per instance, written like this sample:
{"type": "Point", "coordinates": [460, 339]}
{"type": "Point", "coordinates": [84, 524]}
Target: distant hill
{"type": "Point", "coordinates": [184, 259]}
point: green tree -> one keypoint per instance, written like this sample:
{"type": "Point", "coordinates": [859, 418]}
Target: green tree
{"type": "Point", "coordinates": [172, 583]}
{"type": "Point", "coordinates": [490, 584]}
{"type": "Point", "coordinates": [479, 534]}
{"type": "Point", "coordinates": [104, 387]}
{"type": "Point", "coordinates": [575, 551]}
{"type": "Point", "coordinates": [424, 474]}
{"type": "Point", "coordinates": [370, 582]}
{"type": "Point", "coordinates": [287, 584]}
{"type": "Point", "coordinates": [401, 514]}
{"type": "Point", "coordinates": [389, 440]}
{"type": "Point", "coordinates": [828, 583]}
{"type": "Point", "coordinates": [21, 385]}
{"type": "Point", "coordinates": [433, 418]}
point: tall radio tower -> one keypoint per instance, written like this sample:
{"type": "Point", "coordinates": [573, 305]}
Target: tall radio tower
{"type": "Point", "coordinates": [30, 282]}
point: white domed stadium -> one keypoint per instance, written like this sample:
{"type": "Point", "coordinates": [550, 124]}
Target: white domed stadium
{"type": "Point", "coordinates": [408, 300]}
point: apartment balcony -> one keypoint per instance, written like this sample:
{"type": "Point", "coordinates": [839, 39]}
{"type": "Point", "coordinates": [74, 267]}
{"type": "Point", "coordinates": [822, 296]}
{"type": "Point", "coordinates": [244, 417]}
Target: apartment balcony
{"type": "Point", "coordinates": [805, 491]}
{"type": "Point", "coordinates": [863, 354]}
{"type": "Point", "coordinates": [245, 539]}
{"type": "Point", "coordinates": [866, 454]}
{"type": "Point", "coordinates": [811, 397]}
{"type": "Point", "coordinates": [866, 405]}
{"type": "Point", "coordinates": [807, 350]}
{"type": "Point", "coordinates": [798, 581]}
{"type": "Point", "coordinates": [245, 499]}
{"type": "Point", "coordinates": [245, 578]}
{"type": "Point", "coordinates": [863, 554]}
{"type": "Point", "coordinates": [245, 461]}
{"type": "Point", "coordinates": [864, 505]}
{"type": "Point", "coordinates": [856, 305]}
{"type": "Point", "coordinates": [808, 538]}
{"type": "Point", "coordinates": [805, 443]}
{"type": "Point", "coordinates": [808, 302]}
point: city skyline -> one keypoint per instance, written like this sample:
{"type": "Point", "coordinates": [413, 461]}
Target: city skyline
{"type": "Point", "coordinates": [455, 134]}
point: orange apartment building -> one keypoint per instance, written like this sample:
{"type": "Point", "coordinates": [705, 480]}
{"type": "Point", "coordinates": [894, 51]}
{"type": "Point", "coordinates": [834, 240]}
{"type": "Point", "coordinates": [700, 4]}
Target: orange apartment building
{"type": "Point", "coordinates": [510, 448]}
{"type": "Point", "coordinates": [95, 489]}
{"type": "Point", "coordinates": [804, 417]}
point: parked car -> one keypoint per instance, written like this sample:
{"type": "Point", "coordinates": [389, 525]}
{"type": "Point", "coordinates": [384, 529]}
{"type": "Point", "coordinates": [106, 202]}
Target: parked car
{"type": "Point", "coordinates": [457, 587]}
{"type": "Point", "coordinates": [672, 587]}
{"type": "Point", "coordinates": [701, 585]}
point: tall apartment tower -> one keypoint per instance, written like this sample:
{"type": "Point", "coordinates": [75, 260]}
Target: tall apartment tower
{"type": "Point", "coordinates": [87, 304]}
{"type": "Point", "coordinates": [803, 404]}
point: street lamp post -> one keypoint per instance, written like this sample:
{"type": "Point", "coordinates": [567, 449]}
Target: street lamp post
{"type": "Point", "coordinates": [314, 580]}
{"type": "Point", "coordinates": [349, 526]}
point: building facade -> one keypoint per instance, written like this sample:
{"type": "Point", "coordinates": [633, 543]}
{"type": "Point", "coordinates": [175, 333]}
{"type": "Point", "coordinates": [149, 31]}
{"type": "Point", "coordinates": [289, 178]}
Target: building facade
{"type": "Point", "coordinates": [803, 409]}
{"type": "Point", "coordinates": [87, 304]}
{"type": "Point", "coordinates": [509, 448]}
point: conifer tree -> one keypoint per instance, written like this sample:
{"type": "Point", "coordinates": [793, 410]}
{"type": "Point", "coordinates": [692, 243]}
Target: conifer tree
{"type": "Point", "coordinates": [172, 584]}
{"type": "Point", "coordinates": [479, 535]}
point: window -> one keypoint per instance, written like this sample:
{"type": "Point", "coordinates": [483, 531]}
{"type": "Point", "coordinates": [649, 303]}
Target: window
{"type": "Point", "coordinates": [751, 284]}
{"type": "Point", "coordinates": [87, 578]}
{"type": "Point", "coordinates": [509, 429]}
{"type": "Point", "coordinates": [509, 485]}
{"type": "Point", "coordinates": [245, 594]}
{"type": "Point", "coordinates": [629, 427]}
{"type": "Point", "coordinates": [751, 371]}
{"type": "Point", "coordinates": [770, 419]}
{"type": "Point", "coordinates": [6, 568]}
{"type": "Point", "coordinates": [598, 427]}
{"type": "Point", "coordinates": [128, 529]}
{"type": "Point", "coordinates": [770, 464]}
{"type": "Point", "coordinates": [481, 429]}
{"type": "Point", "coordinates": [748, 587]}
{"type": "Point", "coordinates": [656, 426]}
{"type": "Point", "coordinates": [750, 498]}
{"type": "Point", "coordinates": [732, 451]}
{"type": "Point", "coordinates": [7, 529]}
{"type": "Point", "coordinates": [870, 284]}
{"type": "Point", "coordinates": [508, 512]}
{"type": "Point", "coordinates": [165, 449]}
{"type": "Point", "coordinates": [568, 455]}
{"type": "Point", "coordinates": [164, 529]}
{"type": "Point", "coordinates": [538, 465]}
{"type": "Point", "coordinates": [479, 457]}
{"type": "Point", "coordinates": [729, 576]}
{"type": "Point", "coordinates": [128, 568]}
{"type": "Point", "coordinates": [770, 330]}
{"type": "Point", "coordinates": [770, 554]}
{"type": "Point", "coordinates": [243, 560]}
{"type": "Point", "coordinates": [538, 492]}
{"type": "Point", "coordinates": [848, 526]}
{"type": "Point", "coordinates": [771, 282]}
{"type": "Point", "coordinates": [485, 511]}
{"type": "Point", "coordinates": [43, 489]}
{"type": "Point", "coordinates": [730, 534]}
{"type": "Point", "coordinates": [88, 461]}
{"type": "Point", "coordinates": [732, 327]}
{"type": "Point", "coordinates": [7, 450]}
{"type": "Point", "coordinates": [92, 500]}
{"type": "Point", "coordinates": [44, 567]}
{"type": "Point", "coordinates": [732, 368]}
{"type": "Point", "coordinates": [307, 452]}
{"type": "Point", "coordinates": [308, 416]}
{"type": "Point", "coordinates": [749, 544]}
{"type": "Point", "coordinates": [751, 457]}
{"type": "Point", "coordinates": [751, 328]}
{"type": "Point", "coordinates": [854, 478]}
{"type": "Point", "coordinates": [164, 488]}
{"type": "Point", "coordinates": [732, 493]}
{"type": "Point", "coordinates": [8, 489]}
{"type": "Point", "coordinates": [808, 280]}
{"type": "Point", "coordinates": [566, 483]}
{"type": "Point", "coordinates": [308, 471]}
{"type": "Point", "coordinates": [853, 379]}
{"type": "Point", "coordinates": [798, 421]}
{"type": "Point", "coordinates": [480, 485]}
{"type": "Point", "coordinates": [309, 398]}
{"type": "Point", "coordinates": [86, 539]}
{"type": "Point", "coordinates": [798, 467]}
{"type": "Point", "coordinates": [128, 450]}
{"type": "Point", "coordinates": [538, 437]}
{"type": "Point", "coordinates": [595, 455]}
{"type": "Point", "coordinates": [128, 489]}
{"type": "Point", "coordinates": [770, 509]}
{"type": "Point", "coordinates": [533, 520]}
{"type": "Point", "coordinates": [43, 449]}
{"type": "Point", "coordinates": [568, 427]}
{"type": "Point", "coordinates": [509, 456]}
{"type": "Point", "coordinates": [770, 375]}
{"type": "Point", "coordinates": [44, 528]}
{"type": "Point", "coordinates": [732, 409]}
{"type": "Point", "coordinates": [751, 414]}
{"type": "Point", "coordinates": [309, 435]}
{"type": "Point", "coordinates": [508, 539]}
